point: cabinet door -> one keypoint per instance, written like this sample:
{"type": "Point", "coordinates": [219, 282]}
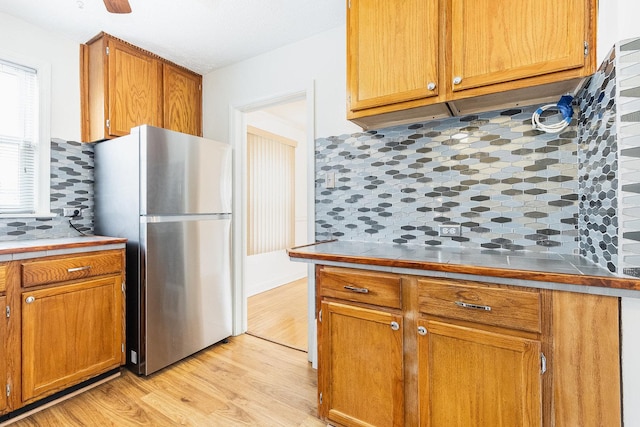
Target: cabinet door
{"type": "Point", "coordinates": [392, 51]}
{"type": "Point", "coordinates": [470, 377]}
{"type": "Point", "coordinates": [495, 41]}
{"type": "Point", "coordinates": [69, 334]}
{"type": "Point", "coordinates": [361, 366]}
{"type": "Point", "coordinates": [182, 93]}
{"type": "Point", "coordinates": [3, 359]}
{"type": "Point", "coordinates": [134, 89]}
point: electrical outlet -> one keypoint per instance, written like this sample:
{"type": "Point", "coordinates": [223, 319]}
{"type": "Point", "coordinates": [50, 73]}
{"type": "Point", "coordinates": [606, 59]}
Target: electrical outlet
{"type": "Point", "coordinates": [450, 230]}
{"type": "Point", "coordinates": [330, 180]}
{"type": "Point", "coordinates": [72, 212]}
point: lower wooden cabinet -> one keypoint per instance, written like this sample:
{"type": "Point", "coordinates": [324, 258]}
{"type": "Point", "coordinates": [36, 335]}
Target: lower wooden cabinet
{"type": "Point", "coordinates": [69, 333]}
{"type": "Point", "coordinates": [471, 377]}
{"type": "Point", "coordinates": [64, 324]}
{"type": "Point", "coordinates": [362, 369]}
{"type": "Point", "coordinates": [443, 352]}
{"type": "Point", "coordinates": [3, 366]}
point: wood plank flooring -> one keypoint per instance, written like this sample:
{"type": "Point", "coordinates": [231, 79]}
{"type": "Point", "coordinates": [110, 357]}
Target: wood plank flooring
{"type": "Point", "coordinates": [246, 382]}
{"type": "Point", "coordinates": [280, 315]}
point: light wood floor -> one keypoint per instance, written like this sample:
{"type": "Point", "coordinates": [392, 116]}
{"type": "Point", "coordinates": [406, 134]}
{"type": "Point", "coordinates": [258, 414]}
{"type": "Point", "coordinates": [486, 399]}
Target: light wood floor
{"type": "Point", "coordinates": [280, 315]}
{"type": "Point", "coordinates": [247, 382]}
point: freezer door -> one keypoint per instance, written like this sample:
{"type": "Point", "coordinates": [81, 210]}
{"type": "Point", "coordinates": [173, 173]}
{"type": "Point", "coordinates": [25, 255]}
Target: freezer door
{"type": "Point", "coordinates": [183, 174]}
{"type": "Point", "coordinates": [187, 288]}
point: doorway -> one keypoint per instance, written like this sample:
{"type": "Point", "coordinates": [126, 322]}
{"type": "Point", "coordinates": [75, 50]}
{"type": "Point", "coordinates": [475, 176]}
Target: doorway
{"type": "Point", "coordinates": [276, 185]}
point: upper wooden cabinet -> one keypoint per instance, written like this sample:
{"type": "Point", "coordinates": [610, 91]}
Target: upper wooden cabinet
{"type": "Point", "coordinates": [504, 41]}
{"type": "Point", "coordinates": [419, 59]}
{"type": "Point", "coordinates": [393, 52]}
{"type": "Point", "coordinates": [182, 98]}
{"type": "Point", "coordinates": [123, 86]}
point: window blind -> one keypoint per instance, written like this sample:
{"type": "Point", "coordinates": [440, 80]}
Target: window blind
{"type": "Point", "coordinates": [271, 189]}
{"type": "Point", "coordinates": [18, 138]}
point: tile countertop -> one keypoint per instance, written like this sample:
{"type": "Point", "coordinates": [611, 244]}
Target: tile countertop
{"type": "Point", "coordinates": [20, 249]}
{"type": "Point", "coordinates": [527, 268]}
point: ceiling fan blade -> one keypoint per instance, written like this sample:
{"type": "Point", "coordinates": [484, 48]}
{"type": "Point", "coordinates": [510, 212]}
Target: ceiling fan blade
{"type": "Point", "coordinates": [117, 6]}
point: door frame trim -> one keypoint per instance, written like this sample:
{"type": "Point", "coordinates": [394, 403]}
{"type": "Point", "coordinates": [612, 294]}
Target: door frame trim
{"type": "Point", "coordinates": [237, 137]}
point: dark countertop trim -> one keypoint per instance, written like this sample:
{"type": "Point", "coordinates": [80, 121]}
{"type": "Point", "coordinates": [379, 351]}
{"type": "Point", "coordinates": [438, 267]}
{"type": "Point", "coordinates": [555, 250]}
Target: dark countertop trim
{"type": "Point", "coordinates": [40, 245]}
{"type": "Point", "coordinates": [388, 255]}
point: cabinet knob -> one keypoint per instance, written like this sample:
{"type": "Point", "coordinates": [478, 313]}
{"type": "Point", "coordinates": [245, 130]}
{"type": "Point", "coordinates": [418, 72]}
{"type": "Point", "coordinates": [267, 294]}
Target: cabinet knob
{"type": "Point", "coordinates": [431, 86]}
{"type": "Point", "coordinates": [457, 80]}
{"type": "Point", "coordinates": [29, 300]}
{"type": "Point", "coordinates": [395, 326]}
{"type": "Point", "coordinates": [422, 330]}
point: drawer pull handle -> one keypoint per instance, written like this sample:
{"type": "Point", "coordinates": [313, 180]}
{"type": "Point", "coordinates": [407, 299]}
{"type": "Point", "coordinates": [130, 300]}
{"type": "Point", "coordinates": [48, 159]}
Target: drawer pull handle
{"type": "Point", "coordinates": [395, 326]}
{"type": "Point", "coordinates": [474, 306]}
{"type": "Point", "coordinates": [29, 300]}
{"type": "Point", "coordinates": [72, 270]}
{"type": "Point", "coordinates": [358, 290]}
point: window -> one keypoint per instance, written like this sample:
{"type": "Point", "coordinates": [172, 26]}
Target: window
{"type": "Point", "coordinates": [24, 145]}
{"type": "Point", "coordinates": [271, 186]}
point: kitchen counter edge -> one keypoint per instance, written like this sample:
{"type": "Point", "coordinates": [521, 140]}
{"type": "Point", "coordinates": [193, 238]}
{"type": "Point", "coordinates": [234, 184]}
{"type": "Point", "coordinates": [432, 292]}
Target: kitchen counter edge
{"type": "Point", "coordinates": [24, 249]}
{"type": "Point", "coordinates": [606, 284]}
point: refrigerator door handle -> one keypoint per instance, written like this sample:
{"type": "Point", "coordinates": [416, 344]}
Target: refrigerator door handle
{"type": "Point", "coordinates": [147, 219]}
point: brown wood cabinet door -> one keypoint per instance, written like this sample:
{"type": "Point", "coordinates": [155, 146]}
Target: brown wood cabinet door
{"type": "Point", "coordinates": [361, 365]}
{"type": "Point", "coordinates": [392, 51]}
{"type": "Point", "coordinates": [3, 359]}
{"type": "Point", "coordinates": [470, 377]}
{"type": "Point", "coordinates": [495, 41]}
{"type": "Point", "coordinates": [182, 93]}
{"type": "Point", "coordinates": [134, 89]}
{"type": "Point", "coordinates": [586, 362]}
{"type": "Point", "coordinates": [70, 333]}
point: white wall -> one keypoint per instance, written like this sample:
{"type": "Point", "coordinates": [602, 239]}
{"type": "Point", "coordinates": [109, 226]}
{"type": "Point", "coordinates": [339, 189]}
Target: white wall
{"type": "Point", "coordinates": [320, 59]}
{"type": "Point", "coordinates": [21, 39]}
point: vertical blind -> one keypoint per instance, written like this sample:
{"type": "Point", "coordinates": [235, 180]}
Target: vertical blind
{"type": "Point", "coordinates": [271, 189]}
{"type": "Point", "coordinates": [18, 138]}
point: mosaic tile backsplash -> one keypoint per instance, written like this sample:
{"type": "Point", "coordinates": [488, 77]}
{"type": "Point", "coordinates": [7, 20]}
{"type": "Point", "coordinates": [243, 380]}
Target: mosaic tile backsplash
{"type": "Point", "coordinates": [598, 167]}
{"type": "Point", "coordinates": [507, 185]}
{"type": "Point", "coordinates": [628, 113]}
{"type": "Point", "coordinates": [71, 186]}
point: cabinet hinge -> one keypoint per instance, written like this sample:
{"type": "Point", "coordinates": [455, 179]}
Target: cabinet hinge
{"type": "Point", "coordinates": [586, 48]}
{"type": "Point", "coordinates": [122, 347]}
{"type": "Point", "coordinates": [107, 50]}
{"type": "Point", "coordinates": [321, 398]}
{"type": "Point", "coordinates": [543, 363]}
{"type": "Point", "coordinates": [108, 123]}
{"type": "Point", "coordinates": [8, 311]}
{"type": "Point", "coordinates": [320, 316]}
{"type": "Point", "coordinates": [124, 287]}
{"type": "Point", "coordinates": [349, 4]}
{"type": "Point", "coordinates": [8, 390]}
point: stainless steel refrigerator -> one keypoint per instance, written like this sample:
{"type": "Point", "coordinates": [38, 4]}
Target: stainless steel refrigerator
{"type": "Point", "coordinates": [169, 194]}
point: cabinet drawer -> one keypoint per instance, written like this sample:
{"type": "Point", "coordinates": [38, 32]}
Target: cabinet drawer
{"type": "Point", "coordinates": [3, 277]}
{"type": "Point", "coordinates": [60, 269]}
{"type": "Point", "coordinates": [509, 308]}
{"type": "Point", "coordinates": [361, 286]}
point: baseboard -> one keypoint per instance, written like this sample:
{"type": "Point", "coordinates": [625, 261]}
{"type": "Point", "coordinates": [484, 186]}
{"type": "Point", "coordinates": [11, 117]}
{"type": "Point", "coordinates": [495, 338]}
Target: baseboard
{"type": "Point", "coordinates": [273, 283]}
